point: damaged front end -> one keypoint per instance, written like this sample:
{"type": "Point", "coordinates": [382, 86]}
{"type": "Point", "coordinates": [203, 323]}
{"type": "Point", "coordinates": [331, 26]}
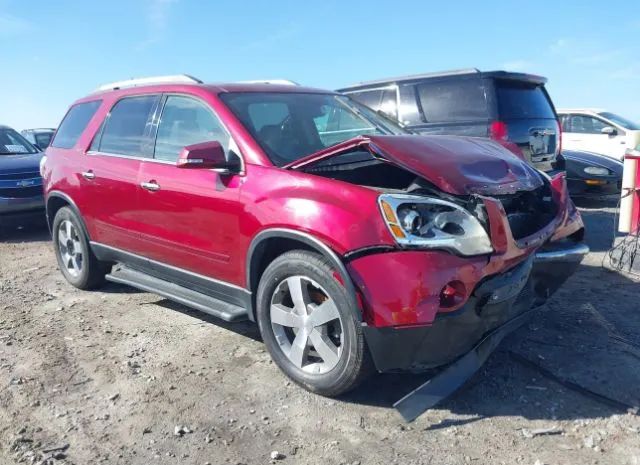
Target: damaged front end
{"type": "Point", "coordinates": [481, 239]}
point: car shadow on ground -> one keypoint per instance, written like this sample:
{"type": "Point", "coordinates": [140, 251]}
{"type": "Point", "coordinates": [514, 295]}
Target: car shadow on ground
{"type": "Point", "coordinates": [35, 231]}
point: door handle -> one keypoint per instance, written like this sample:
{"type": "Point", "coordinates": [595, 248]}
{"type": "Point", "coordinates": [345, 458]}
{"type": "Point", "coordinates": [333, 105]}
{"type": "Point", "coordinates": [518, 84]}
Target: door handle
{"type": "Point", "coordinates": [151, 186]}
{"type": "Point", "coordinates": [88, 174]}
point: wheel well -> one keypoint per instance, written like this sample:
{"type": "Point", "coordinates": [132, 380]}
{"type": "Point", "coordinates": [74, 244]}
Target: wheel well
{"type": "Point", "coordinates": [267, 251]}
{"type": "Point", "coordinates": [54, 204]}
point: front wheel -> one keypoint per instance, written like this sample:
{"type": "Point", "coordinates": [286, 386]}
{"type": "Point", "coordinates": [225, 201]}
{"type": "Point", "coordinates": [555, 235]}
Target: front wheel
{"type": "Point", "coordinates": [309, 326]}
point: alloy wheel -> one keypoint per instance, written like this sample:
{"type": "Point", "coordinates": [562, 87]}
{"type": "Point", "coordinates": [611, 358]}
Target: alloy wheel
{"type": "Point", "coordinates": [70, 248]}
{"type": "Point", "coordinates": [307, 325]}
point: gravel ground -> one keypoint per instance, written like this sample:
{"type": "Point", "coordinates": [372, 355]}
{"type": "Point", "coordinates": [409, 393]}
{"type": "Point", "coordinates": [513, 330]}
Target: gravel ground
{"type": "Point", "coordinates": [125, 377]}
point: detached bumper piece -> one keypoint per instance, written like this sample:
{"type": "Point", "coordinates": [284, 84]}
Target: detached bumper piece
{"type": "Point", "coordinates": [462, 341]}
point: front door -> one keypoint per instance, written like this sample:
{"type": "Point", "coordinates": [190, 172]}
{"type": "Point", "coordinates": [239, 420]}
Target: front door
{"type": "Point", "coordinates": [190, 215]}
{"type": "Point", "coordinates": [585, 133]}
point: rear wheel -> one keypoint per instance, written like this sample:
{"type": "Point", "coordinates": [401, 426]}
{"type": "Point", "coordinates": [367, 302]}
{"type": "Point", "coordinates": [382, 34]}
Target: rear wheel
{"type": "Point", "coordinates": [76, 260]}
{"type": "Point", "coordinates": [309, 326]}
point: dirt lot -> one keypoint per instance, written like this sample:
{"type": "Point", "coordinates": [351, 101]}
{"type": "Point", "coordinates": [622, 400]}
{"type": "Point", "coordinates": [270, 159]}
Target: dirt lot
{"type": "Point", "coordinates": [106, 377]}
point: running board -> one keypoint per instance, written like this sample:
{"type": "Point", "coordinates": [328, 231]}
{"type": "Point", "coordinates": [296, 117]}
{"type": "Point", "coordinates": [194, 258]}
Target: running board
{"type": "Point", "coordinates": [180, 294]}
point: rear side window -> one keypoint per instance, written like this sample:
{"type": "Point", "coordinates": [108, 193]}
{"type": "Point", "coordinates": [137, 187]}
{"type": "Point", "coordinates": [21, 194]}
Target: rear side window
{"type": "Point", "coordinates": [451, 101]}
{"type": "Point", "coordinates": [126, 131]}
{"type": "Point", "coordinates": [186, 121]}
{"type": "Point", "coordinates": [74, 123]}
{"type": "Point", "coordinates": [522, 100]}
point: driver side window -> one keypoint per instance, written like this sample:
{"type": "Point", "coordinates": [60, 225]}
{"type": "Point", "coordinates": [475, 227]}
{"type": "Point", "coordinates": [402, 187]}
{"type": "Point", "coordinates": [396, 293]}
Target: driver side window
{"type": "Point", "coordinates": [586, 125]}
{"type": "Point", "coordinates": [186, 121]}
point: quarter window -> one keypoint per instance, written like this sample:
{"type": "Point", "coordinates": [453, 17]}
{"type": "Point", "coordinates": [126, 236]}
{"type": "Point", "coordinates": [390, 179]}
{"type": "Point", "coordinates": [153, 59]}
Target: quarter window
{"type": "Point", "coordinates": [126, 131]}
{"type": "Point", "coordinates": [186, 121]}
{"type": "Point", "coordinates": [448, 101]}
{"type": "Point", "coordinates": [74, 123]}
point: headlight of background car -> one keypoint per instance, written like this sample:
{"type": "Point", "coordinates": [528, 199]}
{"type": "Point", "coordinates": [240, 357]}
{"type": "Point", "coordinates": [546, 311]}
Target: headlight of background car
{"type": "Point", "coordinates": [596, 171]}
{"type": "Point", "coordinates": [423, 222]}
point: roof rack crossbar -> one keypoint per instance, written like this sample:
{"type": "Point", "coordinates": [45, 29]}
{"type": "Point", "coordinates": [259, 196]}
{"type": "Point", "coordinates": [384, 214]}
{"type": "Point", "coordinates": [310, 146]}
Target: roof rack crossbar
{"type": "Point", "coordinates": [172, 79]}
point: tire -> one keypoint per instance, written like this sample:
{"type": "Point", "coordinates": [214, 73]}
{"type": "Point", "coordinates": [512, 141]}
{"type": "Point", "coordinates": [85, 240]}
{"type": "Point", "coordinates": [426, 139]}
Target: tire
{"type": "Point", "coordinates": [335, 358]}
{"type": "Point", "coordinates": [76, 260]}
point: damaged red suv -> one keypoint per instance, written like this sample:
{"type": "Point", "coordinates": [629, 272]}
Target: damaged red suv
{"type": "Point", "coordinates": [351, 243]}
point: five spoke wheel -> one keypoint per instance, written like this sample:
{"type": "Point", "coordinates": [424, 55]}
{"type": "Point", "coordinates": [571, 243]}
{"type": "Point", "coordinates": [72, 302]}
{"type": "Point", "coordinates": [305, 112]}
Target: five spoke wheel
{"type": "Point", "coordinates": [70, 248]}
{"type": "Point", "coordinates": [307, 324]}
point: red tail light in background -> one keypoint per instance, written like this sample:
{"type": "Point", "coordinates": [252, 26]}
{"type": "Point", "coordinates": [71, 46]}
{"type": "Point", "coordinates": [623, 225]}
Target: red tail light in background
{"type": "Point", "coordinates": [498, 131]}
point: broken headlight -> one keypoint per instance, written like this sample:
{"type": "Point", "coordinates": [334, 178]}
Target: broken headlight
{"type": "Point", "coordinates": [423, 222]}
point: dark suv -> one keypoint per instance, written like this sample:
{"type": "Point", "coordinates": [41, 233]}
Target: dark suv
{"type": "Point", "coordinates": [513, 108]}
{"type": "Point", "coordinates": [350, 242]}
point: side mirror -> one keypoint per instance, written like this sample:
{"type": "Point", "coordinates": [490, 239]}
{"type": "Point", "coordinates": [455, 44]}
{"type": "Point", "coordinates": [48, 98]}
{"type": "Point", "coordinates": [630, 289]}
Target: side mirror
{"type": "Point", "coordinates": [205, 155]}
{"type": "Point", "coordinates": [609, 131]}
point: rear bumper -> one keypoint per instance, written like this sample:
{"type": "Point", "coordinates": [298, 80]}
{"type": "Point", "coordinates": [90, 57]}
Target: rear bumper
{"type": "Point", "coordinates": [495, 304]}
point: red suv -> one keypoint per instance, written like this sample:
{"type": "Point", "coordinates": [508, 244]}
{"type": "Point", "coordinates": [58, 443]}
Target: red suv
{"type": "Point", "coordinates": [352, 243]}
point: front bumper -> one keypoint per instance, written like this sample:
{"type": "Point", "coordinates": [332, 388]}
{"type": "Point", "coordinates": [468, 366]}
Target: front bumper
{"type": "Point", "coordinates": [606, 186]}
{"type": "Point", "coordinates": [18, 211]}
{"type": "Point", "coordinates": [496, 302]}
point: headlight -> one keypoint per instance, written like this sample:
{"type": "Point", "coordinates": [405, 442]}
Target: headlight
{"type": "Point", "coordinates": [428, 223]}
{"type": "Point", "coordinates": [43, 160]}
{"type": "Point", "coordinates": [596, 171]}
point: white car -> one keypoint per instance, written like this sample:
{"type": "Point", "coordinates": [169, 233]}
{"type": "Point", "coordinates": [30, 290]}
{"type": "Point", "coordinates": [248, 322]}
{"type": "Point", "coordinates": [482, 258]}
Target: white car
{"type": "Point", "coordinates": [598, 131]}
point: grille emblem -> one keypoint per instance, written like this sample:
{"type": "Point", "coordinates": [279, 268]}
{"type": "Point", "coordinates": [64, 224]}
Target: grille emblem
{"type": "Point", "coordinates": [26, 183]}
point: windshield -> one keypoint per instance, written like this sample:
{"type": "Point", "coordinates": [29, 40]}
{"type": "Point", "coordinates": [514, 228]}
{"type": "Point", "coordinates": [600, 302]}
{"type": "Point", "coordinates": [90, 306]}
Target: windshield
{"type": "Point", "coordinates": [43, 139]}
{"type": "Point", "coordinates": [620, 121]}
{"type": "Point", "coordinates": [289, 126]}
{"type": "Point", "coordinates": [12, 143]}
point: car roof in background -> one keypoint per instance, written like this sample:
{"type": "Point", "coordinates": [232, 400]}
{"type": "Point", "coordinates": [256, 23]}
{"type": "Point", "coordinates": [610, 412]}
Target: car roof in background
{"type": "Point", "coordinates": [581, 110]}
{"type": "Point", "coordinates": [443, 74]}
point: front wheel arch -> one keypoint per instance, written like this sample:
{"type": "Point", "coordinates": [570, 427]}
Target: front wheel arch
{"type": "Point", "coordinates": [271, 243]}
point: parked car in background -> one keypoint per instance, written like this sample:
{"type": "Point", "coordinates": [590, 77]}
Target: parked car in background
{"type": "Point", "coordinates": [509, 107]}
{"type": "Point", "coordinates": [598, 131]}
{"type": "Point", "coordinates": [591, 174]}
{"type": "Point", "coordinates": [350, 242]}
{"type": "Point", "coordinates": [39, 137]}
{"type": "Point", "coordinates": [21, 197]}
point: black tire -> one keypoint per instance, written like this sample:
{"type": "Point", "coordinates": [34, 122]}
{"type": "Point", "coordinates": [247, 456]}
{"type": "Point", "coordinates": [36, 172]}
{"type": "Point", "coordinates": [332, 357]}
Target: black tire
{"type": "Point", "coordinates": [91, 272]}
{"type": "Point", "coordinates": [354, 363]}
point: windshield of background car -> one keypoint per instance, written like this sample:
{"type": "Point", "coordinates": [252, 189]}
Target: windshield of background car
{"type": "Point", "coordinates": [43, 139]}
{"type": "Point", "coordinates": [12, 143]}
{"type": "Point", "coordinates": [620, 121]}
{"type": "Point", "coordinates": [289, 126]}
{"type": "Point", "coordinates": [518, 99]}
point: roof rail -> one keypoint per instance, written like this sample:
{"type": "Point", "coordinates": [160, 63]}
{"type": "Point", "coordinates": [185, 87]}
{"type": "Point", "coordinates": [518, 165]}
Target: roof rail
{"type": "Point", "coordinates": [173, 79]}
{"type": "Point", "coordinates": [282, 82]}
{"type": "Point", "coordinates": [412, 77]}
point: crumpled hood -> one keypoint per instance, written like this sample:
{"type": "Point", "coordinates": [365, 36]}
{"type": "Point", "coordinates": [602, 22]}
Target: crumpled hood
{"type": "Point", "coordinates": [456, 165]}
{"type": "Point", "coordinates": [22, 163]}
{"type": "Point", "coordinates": [460, 165]}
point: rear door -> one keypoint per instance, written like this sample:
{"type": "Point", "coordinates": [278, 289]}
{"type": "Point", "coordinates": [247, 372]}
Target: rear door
{"type": "Point", "coordinates": [110, 175]}
{"type": "Point", "coordinates": [191, 217]}
{"type": "Point", "coordinates": [531, 122]}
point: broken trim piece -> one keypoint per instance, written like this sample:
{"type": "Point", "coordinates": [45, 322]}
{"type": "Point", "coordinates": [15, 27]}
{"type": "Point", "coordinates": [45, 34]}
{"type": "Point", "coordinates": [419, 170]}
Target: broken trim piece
{"type": "Point", "coordinates": [456, 374]}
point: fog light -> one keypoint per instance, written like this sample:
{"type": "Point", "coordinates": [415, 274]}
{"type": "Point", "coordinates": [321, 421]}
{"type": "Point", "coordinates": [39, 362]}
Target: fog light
{"type": "Point", "coordinates": [452, 295]}
{"type": "Point", "coordinates": [595, 182]}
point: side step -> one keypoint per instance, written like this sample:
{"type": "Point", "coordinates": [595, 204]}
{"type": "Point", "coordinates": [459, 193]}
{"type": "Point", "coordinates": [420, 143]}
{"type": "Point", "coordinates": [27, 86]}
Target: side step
{"type": "Point", "coordinates": [180, 294]}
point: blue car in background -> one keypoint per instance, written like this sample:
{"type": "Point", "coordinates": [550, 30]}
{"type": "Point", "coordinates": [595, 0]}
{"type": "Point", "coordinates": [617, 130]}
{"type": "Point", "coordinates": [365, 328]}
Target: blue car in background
{"type": "Point", "coordinates": [21, 198]}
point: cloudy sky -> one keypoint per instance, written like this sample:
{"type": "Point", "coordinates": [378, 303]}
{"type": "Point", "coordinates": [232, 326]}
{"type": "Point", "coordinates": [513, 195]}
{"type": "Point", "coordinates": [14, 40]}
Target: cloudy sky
{"type": "Point", "coordinates": [55, 52]}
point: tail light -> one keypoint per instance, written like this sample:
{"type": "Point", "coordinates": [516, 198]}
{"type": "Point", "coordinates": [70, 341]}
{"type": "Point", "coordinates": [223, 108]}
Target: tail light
{"type": "Point", "coordinates": [498, 131]}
